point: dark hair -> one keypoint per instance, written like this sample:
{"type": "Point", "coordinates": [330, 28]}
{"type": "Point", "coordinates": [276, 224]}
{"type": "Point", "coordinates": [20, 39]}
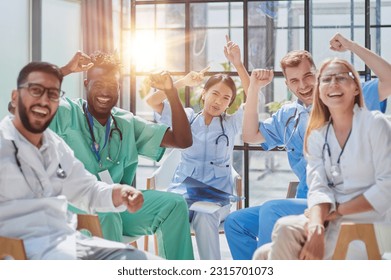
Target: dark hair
{"type": "Point", "coordinates": [108, 61]}
{"type": "Point", "coordinates": [38, 66]}
{"type": "Point", "coordinates": [225, 79]}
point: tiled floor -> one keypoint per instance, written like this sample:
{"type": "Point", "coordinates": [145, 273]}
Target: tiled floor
{"type": "Point", "coordinates": [269, 181]}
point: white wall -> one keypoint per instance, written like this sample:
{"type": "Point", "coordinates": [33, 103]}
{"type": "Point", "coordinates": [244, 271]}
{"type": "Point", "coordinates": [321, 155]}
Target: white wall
{"type": "Point", "coordinates": [14, 46]}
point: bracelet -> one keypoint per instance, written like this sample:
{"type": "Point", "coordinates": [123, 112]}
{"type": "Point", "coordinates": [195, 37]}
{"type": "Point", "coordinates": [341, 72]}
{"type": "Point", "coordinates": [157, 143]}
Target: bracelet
{"type": "Point", "coordinates": [318, 228]}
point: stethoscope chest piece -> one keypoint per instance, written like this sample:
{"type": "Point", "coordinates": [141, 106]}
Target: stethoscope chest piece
{"type": "Point", "coordinates": [61, 173]}
{"type": "Point", "coordinates": [335, 171]}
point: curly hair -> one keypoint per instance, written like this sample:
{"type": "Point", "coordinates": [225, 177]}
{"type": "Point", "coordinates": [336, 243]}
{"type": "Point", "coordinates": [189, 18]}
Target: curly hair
{"type": "Point", "coordinates": [105, 60]}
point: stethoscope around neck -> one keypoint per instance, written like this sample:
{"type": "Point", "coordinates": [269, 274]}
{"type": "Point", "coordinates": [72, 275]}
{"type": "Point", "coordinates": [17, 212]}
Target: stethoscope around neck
{"type": "Point", "coordinates": [109, 134]}
{"type": "Point", "coordinates": [59, 172]}
{"type": "Point", "coordinates": [335, 169]}
{"type": "Point", "coordinates": [223, 135]}
{"type": "Point", "coordinates": [296, 118]}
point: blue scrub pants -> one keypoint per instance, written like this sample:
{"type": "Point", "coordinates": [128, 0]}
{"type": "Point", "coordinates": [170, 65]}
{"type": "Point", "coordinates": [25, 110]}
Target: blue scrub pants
{"type": "Point", "coordinates": [250, 228]}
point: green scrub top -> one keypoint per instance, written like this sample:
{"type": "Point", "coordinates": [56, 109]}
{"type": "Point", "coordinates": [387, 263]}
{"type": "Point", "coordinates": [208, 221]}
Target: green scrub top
{"type": "Point", "coordinates": [139, 137]}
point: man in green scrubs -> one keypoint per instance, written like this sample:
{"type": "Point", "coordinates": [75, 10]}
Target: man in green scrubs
{"type": "Point", "coordinates": [108, 140]}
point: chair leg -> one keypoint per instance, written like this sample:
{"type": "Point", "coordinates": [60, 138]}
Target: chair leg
{"type": "Point", "coordinates": [146, 243]}
{"type": "Point", "coordinates": [155, 244]}
{"type": "Point", "coordinates": [350, 232]}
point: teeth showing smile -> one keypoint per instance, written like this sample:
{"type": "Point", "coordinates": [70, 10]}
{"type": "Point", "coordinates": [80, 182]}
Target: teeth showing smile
{"type": "Point", "coordinates": [305, 94]}
{"type": "Point", "coordinates": [103, 100]}
{"type": "Point", "coordinates": [40, 111]}
{"type": "Point", "coordinates": [335, 94]}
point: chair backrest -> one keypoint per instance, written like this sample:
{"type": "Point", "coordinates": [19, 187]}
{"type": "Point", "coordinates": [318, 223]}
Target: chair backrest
{"type": "Point", "coordinates": [12, 248]}
{"type": "Point", "coordinates": [161, 178]}
{"type": "Point", "coordinates": [292, 188]}
{"type": "Point", "coordinates": [89, 223]}
{"type": "Point", "coordinates": [352, 231]}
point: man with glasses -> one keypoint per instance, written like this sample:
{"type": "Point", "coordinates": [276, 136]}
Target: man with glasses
{"type": "Point", "coordinates": [108, 140]}
{"type": "Point", "coordinates": [39, 174]}
{"type": "Point", "coordinates": [250, 228]}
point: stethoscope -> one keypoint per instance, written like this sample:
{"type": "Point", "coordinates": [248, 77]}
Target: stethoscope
{"type": "Point", "coordinates": [286, 142]}
{"type": "Point", "coordinates": [335, 170]}
{"type": "Point", "coordinates": [59, 172]}
{"type": "Point", "coordinates": [221, 136]}
{"type": "Point", "coordinates": [109, 134]}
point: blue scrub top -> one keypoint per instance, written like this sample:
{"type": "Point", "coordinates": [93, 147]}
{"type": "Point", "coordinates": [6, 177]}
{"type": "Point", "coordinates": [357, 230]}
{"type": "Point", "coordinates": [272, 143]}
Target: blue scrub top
{"type": "Point", "coordinates": [206, 160]}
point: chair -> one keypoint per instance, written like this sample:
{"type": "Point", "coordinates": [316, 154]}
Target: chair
{"type": "Point", "coordinates": [374, 236]}
{"type": "Point", "coordinates": [292, 188]}
{"type": "Point", "coordinates": [13, 248]}
{"type": "Point", "coordinates": [161, 179]}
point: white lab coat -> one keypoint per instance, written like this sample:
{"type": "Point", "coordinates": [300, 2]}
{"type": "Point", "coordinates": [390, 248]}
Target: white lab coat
{"type": "Point", "coordinates": [33, 204]}
{"type": "Point", "coordinates": [365, 169]}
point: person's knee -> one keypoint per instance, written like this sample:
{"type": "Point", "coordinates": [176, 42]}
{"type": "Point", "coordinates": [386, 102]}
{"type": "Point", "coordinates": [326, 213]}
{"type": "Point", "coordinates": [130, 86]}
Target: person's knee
{"type": "Point", "coordinates": [283, 227]}
{"type": "Point", "coordinates": [230, 221]}
{"type": "Point", "coordinates": [270, 208]}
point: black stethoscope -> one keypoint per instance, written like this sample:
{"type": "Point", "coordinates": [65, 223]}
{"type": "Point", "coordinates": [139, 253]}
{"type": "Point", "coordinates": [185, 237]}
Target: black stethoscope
{"type": "Point", "coordinates": [286, 142]}
{"type": "Point", "coordinates": [335, 170]}
{"type": "Point", "coordinates": [221, 136]}
{"type": "Point", "coordinates": [109, 134]}
{"type": "Point", "coordinates": [60, 172]}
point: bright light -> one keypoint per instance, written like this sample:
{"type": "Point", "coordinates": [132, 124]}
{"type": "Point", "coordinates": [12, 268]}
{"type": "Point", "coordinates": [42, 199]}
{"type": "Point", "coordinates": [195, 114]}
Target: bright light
{"type": "Point", "coordinates": [149, 51]}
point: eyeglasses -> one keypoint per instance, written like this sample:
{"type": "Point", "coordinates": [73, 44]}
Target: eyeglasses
{"type": "Point", "coordinates": [37, 90]}
{"type": "Point", "coordinates": [340, 78]}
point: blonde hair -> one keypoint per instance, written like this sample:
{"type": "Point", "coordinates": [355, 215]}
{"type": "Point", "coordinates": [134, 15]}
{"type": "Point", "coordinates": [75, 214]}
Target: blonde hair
{"type": "Point", "coordinates": [320, 113]}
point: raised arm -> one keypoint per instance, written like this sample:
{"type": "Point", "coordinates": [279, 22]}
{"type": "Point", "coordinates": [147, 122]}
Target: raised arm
{"type": "Point", "coordinates": [232, 53]}
{"type": "Point", "coordinates": [179, 135]}
{"type": "Point", "coordinates": [156, 98]}
{"type": "Point", "coordinates": [378, 65]}
{"type": "Point", "coordinates": [259, 79]}
{"type": "Point", "coordinates": [79, 62]}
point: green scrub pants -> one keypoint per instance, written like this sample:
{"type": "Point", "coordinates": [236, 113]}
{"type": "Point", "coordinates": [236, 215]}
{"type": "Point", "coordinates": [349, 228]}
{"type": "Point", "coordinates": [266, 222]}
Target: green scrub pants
{"type": "Point", "coordinates": [164, 214]}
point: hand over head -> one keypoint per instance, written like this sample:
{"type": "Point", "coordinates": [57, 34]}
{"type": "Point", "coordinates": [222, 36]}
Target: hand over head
{"type": "Point", "coordinates": [161, 80]}
{"type": "Point", "coordinates": [232, 51]}
{"type": "Point", "coordinates": [339, 43]}
{"type": "Point", "coordinates": [194, 78]}
{"type": "Point", "coordinates": [261, 77]}
{"type": "Point", "coordinates": [80, 62]}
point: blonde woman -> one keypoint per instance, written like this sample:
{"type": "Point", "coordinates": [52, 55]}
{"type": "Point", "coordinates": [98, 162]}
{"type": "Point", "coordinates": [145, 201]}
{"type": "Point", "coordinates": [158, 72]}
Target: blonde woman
{"type": "Point", "coordinates": [348, 172]}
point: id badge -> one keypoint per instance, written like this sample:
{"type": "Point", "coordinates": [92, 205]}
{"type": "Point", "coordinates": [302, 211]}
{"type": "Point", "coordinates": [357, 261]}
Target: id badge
{"type": "Point", "coordinates": [105, 177]}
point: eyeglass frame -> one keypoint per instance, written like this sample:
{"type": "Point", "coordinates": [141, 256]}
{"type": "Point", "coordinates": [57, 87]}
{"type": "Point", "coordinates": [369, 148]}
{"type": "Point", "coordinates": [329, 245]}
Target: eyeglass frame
{"type": "Point", "coordinates": [350, 74]}
{"type": "Point", "coordinates": [45, 89]}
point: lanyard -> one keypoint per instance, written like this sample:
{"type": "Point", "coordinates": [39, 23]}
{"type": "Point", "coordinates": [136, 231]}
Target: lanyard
{"type": "Point", "coordinates": [95, 145]}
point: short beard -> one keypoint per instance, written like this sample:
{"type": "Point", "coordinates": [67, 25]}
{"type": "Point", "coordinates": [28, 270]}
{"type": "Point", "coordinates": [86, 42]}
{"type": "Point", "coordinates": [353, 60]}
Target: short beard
{"type": "Point", "coordinates": [25, 120]}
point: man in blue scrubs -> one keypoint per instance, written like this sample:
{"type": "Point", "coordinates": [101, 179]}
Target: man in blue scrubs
{"type": "Point", "coordinates": [250, 228]}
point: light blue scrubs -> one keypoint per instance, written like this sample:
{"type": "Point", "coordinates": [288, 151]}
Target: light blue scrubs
{"type": "Point", "coordinates": [208, 160]}
{"type": "Point", "coordinates": [250, 228]}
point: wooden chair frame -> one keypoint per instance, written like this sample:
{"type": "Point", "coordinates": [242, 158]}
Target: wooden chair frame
{"type": "Point", "coordinates": [13, 248]}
